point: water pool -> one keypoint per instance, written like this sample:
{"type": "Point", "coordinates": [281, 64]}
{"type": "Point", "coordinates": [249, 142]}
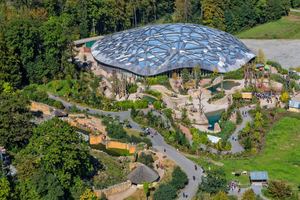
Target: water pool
{"type": "Point", "coordinates": [227, 85]}
{"type": "Point", "coordinates": [214, 117]}
{"type": "Point", "coordinates": [150, 99]}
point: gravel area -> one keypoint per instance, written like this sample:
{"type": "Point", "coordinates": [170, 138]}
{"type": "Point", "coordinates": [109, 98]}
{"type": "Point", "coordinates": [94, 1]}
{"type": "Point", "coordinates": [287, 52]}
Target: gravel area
{"type": "Point", "coordinates": [286, 52]}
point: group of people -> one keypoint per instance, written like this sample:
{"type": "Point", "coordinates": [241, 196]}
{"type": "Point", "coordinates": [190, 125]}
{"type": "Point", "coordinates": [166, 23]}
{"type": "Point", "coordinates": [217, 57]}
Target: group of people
{"type": "Point", "coordinates": [244, 114]}
{"type": "Point", "coordinates": [232, 187]}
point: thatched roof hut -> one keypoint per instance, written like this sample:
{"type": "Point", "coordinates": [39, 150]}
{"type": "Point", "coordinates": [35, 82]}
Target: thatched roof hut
{"type": "Point", "coordinates": [142, 173]}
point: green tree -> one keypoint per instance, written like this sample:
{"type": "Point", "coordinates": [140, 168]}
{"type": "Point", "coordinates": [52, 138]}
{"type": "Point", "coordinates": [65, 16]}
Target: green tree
{"type": "Point", "coordinates": [185, 75]}
{"type": "Point", "coordinates": [58, 104]}
{"type": "Point", "coordinates": [214, 182]}
{"type": "Point", "coordinates": [165, 192]}
{"type": "Point", "coordinates": [221, 196]}
{"type": "Point", "coordinates": [146, 159]}
{"type": "Point", "coordinates": [157, 105]}
{"type": "Point", "coordinates": [191, 98]}
{"type": "Point", "coordinates": [59, 150]}
{"type": "Point", "coordinates": [9, 64]}
{"type": "Point", "coordinates": [183, 113]}
{"type": "Point", "coordinates": [248, 195]}
{"type": "Point", "coordinates": [5, 190]}
{"type": "Point", "coordinates": [117, 118]}
{"type": "Point", "coordinates": [146, 187]}
{"type": "Point", "coordinates": [133, 112]}
{"type": "Point", "coordinates": [15, 126]}
{"type": "Point", "coordinates": [56, 85]}
{"type": "Point", "coordinates": [126, 122]}
{"type": "Point", "coordinates": [279, 189]}
{"type": "Point", "coordinates": [179, 178]}
{"type": "Point", "coordinates": [261, 56]}
{"type": "Point", "coordinates": [25, 190]}
{"type": "Point", "coordinates": [47, 185]}
{"type": "Point", "coordinates": [24, 38]}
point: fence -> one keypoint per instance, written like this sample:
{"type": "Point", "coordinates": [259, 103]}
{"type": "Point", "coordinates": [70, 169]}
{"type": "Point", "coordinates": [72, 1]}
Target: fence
{"type": "Point", "coordinates": [113, 189]}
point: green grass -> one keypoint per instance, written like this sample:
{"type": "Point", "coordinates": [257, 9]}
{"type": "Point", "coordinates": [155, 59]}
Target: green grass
{"type": "Point", "coordinates": [130, 132]}
{"type": "Point", "coordinates": [61, 91]}
{"type": "Point", "coordinates": [281, 157]}
{"type": "Point", "coordinates": [118, 152]}
{"type": "Point", "coordinates": [286, 28]}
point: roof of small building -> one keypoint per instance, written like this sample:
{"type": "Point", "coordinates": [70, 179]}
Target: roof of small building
{"type": "Point", "coordinates": [258, 175]}
{"type": "Point", "coordinates": [142, 173]}
{"type": "Point", "coordinates": [59, 113]}
{"type": "Point", "coordinates": [247, 95]}
{"type": "Point", "coordinates": [294, 104]}
{"type": "Point", "coordinates": [213, 139]}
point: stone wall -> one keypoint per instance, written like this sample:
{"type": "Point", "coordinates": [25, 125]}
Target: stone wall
{"type": "Point", "coordinates": [96, 139]}
{"type": "Point", "coordinates": [35, 106]}
{"type": "Point", "coordinates": [120, 145]}
{"type": "Point", "coordinates": [222, 101]}
{"type": "Point", "coordinates": [113, 189]}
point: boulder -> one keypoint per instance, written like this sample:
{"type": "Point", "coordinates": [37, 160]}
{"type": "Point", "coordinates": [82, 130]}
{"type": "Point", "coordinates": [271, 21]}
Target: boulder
{"type": "Point", "coordinates": [217, 127]}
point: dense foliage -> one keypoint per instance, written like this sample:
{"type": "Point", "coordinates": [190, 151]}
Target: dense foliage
{"type": "Point", "coordinates": [15, 126]}
{"type": "Point", "coordinates": [146, 159]}
{"type": "Point", "coordinates": [214, 182]}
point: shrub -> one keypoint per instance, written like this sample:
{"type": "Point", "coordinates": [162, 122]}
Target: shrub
{"type": "Point", "coordinates": [179, 178]}
{"type": "Point", "coordinates": [253, 151]}
{"type": "Point", "coordinates": [266, 125]}
{"type": "Point", "coordinates": [146, 159]}
{"type": "Point", "coordinates": [239, 118]}
{"type": "Point", "coordinates": [141, 104]}
{"type": "Point", "coordinates": [115, 131]}
{"type": "Point", "coordinates": [58, 104]}
{"type": "Point", "coordinates": [226, 129]}
{"type": "Point", "coordinates": [248, 195]}
{"type": "Point", "coordinates": [165, 192]}
{"type": "Point", "coordinates": [277, 77]}
{"type": "Point", "coordinates": [157, 105]}
{"type": "Point", "coordinates": [279, 189]}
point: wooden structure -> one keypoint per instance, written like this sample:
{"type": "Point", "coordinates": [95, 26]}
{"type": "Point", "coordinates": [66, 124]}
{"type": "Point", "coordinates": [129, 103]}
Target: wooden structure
{"type": "Point", "coordinates": [247, 96]}
{"type": "Point", "coordinates": [258, 177]}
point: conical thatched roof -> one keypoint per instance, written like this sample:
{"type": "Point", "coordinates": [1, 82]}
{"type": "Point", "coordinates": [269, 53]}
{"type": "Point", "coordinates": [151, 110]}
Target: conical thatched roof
{"type": "Point", "coordinates": [142, 173]}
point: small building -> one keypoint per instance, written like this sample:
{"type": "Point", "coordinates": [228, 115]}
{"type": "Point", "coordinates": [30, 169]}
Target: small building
{"type": "Point", "coordinates": [213, 139]}
{"type": "Point", "coordinates": [247, 96]}
{"type": "Point", "coordinates": [294, 106]}
{"type": "Point", "coordinates": [258, 177]}
{"type": "Point", "coordinates": [142, 173]}
{"type": "Point", "coordinates": [59, 113]}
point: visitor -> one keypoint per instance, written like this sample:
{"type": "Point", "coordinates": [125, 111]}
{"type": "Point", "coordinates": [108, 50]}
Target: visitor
{"type": "Point", "coordinates": [196, 167]}
{"type": "Point", "coordinates": [194, 178]}
{"type": "Point", "coordinates": [183, 194]}
{"type": "Point", "coordinates": [239, 190]}
{"type": "Point", "coordinates": [186, 195]}
{"type": "Point", "coordinates": [164, 149]}
{"type": "Point", "coordinates": [161, 167]}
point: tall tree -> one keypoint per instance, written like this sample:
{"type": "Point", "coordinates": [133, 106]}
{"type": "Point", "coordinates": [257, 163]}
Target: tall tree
{"type": "Point", "coordinates": [60, 150]}
{"type": "Point", "coordinates": [15, 126]}
{"type": "Point", "coordinates": [214, 182]}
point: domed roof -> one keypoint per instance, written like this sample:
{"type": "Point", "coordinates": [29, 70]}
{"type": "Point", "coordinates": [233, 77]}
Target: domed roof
{"type": "Point", "coordinates": [155, 49]}
{"type": "Point", "coordinates": [142, 173]}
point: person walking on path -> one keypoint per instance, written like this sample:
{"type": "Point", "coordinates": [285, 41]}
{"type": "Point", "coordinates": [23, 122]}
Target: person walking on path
{"type": "Point", "coordinates": [183, 194]}
{"type": "Point", "coordinates": [194, 178]}
{"type": "Point", "coordinates": [186, 195]}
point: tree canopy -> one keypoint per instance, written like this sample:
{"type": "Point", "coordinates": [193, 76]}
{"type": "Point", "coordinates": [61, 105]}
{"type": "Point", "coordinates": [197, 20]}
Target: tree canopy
{"type": "Point", "coordinates": [214, 182]}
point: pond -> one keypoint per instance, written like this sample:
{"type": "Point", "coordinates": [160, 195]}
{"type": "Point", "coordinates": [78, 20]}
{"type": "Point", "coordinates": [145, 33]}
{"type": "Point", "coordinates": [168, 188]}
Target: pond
{"type": "Point", "coordinates": [227, 85]}
{"type": "Point", "coordinates": [150, 99]}
{"type": "Point", "coordinates": [214, 117]}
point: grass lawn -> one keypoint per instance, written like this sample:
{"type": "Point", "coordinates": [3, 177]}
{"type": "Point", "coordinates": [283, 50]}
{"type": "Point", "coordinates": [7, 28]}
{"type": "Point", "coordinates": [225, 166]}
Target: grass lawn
{"type": "Point", "coordinates": [286, 28]}
{"type": "Point", "coordinates": [281, 157]}
{"type": "Point", "coordinates": [61, 91]}
{"type": "Point", "coordinates": [130, 132]}
{"type": "Point", "coordinates": [118, 152]}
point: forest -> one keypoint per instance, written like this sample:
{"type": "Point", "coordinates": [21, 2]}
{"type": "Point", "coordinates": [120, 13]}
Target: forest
{"type": "Point", "coordinates": [36, 36]}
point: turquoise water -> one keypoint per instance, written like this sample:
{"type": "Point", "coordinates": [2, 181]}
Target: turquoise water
{"type": "Point", "coordinates": [214, 117]}
{"type": "Point", "coordinates": [150, 99]}
{"type": "Point", "coordinates": [227, 85]}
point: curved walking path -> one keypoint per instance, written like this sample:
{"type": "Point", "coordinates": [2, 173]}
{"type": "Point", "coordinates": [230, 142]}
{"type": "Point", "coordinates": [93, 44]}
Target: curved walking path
{"type": "Point", "coordinates": [158, 143]}
{"type": "Point", "coordinates": [235, 145]}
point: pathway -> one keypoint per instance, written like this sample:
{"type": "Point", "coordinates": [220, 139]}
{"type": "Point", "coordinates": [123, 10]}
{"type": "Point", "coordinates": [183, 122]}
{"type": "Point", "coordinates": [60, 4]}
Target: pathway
{"type": "Point", "coordinates": [158, 143]}
{"type": "Point", "coordinates": [123, 195]}
{"type": "Point", "coordinates": [235, 145]}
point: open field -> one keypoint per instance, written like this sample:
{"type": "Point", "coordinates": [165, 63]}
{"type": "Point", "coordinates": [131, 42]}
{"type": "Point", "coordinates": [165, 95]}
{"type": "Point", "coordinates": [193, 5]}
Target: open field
{"type": "Point", "coordinates": [286, 28]}
{"type": "Point", "coordinates": [130, 132]}
{"type": "Point", "coordinates": [281, 157]}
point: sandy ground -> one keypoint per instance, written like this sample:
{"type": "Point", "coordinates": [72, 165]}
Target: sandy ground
{"type": "Point", "coordinates": [286, 52]}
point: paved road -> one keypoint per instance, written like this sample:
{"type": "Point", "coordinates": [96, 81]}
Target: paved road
{"type": "Point", "coordinates": [158, 143]}
{"type": "Point", "coordinates": [295, 10]}
{"type": "Point", "coordinates": [235, 145]}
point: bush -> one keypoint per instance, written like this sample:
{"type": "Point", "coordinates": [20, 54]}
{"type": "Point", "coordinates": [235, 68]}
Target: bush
{"type": "Point", "coordinates": [279, 189]}
{"type": "Point", "coordinates": [165, 192]}
{"type": "Point", "coordinates": [239, 118]}
{"type": "Point", "coordinates": [146, 159]}
{"type": "Point", "coordinates": [157, 105]}
{"type": "Point", "coordinates": [277, 77]}
{"type": "Point", "coordinates": [274, 64]}
{"type": "Point", "coordinates": [266, 125]}
{"type": "Point", "coordinates": [133, 89]}
{"type": "Point", "coordinates": [179, 178]}
{"type": "Point", "coordinates": [58, 104]}
{"type": "Point", "coordinates": [141, 104]}
{"type": "Point", "coordinates": [115, 131]}
{"type": "Point", "coordinates": [155, 93]}
{"type": "Point", "coordinates": [227, 129]}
